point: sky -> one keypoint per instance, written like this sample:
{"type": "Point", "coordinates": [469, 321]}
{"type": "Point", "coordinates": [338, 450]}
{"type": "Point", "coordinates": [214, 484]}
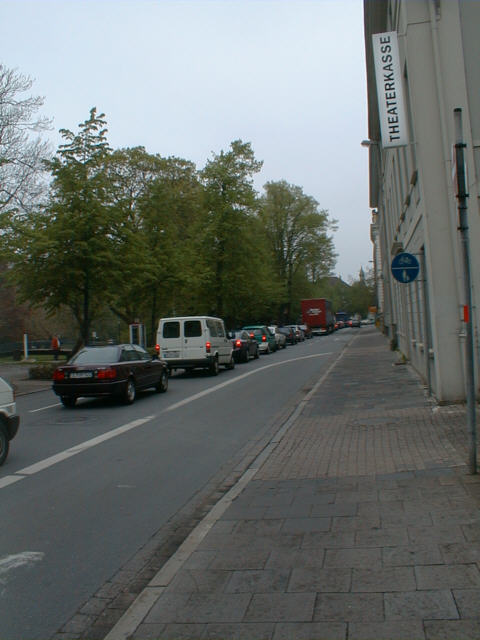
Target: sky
{"type": "Point", "coordinates": [185, 78]}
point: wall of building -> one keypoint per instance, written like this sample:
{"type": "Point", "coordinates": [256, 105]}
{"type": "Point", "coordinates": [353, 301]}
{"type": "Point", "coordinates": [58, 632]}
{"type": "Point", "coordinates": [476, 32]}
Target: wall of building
{"type": "Point", "coordinates": [412, 187]}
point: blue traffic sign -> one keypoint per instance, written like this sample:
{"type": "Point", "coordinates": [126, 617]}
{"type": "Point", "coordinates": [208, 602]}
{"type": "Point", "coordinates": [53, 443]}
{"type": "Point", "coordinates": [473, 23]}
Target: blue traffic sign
{"type": "Point", "coordinates": [405, 267]}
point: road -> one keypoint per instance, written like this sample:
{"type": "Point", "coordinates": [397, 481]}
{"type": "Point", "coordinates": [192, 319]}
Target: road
{"type": "Point", "coordinates": [84, 489]}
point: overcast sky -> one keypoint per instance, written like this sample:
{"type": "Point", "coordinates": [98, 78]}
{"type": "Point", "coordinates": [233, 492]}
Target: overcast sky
{"type": "Point", "coordinates": [187, 77]}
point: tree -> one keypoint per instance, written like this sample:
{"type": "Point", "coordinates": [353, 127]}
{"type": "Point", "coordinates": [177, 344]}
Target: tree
{"type": "Point", "coordinates": [65, 253]}
{"type": "Point", "coordinates": [22, 170]}
{"type": "Point", "coordinates": [235, 263]}
{"type": "Point", "coordinates": [297, 232]}
{"type": "Point", "coordinates": [161, 203]}
{"type": "Point", "coordinates": [362, 293]}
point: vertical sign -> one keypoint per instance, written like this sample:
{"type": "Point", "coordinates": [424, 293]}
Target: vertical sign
{"type": "Point", "coordinates": [391, 105]}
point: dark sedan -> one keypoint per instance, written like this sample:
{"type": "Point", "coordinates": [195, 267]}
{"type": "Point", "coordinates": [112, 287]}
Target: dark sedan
{"type": "Point", "coordinates": [244, 346]}
{"type": "Point", "coordinates": [289, 333]}
{"type": "Point", "coordinates": [116, 370]}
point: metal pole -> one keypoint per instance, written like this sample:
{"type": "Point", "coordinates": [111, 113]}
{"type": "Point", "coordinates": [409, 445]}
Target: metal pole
{"type": "Point", "coordinates": [426, 321]}
{"type": "Point", "coordinates": [462, 196]}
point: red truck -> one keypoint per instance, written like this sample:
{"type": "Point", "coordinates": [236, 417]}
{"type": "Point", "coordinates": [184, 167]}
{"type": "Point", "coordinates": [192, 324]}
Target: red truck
{"type": "Point", "coordinates": [317, 314]}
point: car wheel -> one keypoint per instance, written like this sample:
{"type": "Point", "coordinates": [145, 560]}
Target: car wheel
{"type": "Point", "coordinates": [68, 401]}
{"type": "Point", "coordinates": [246, 356]}
{"type": "Point", "coordinates": [231, 364]}
{"type": "Point", "coordinates": [284, 345]}
{"type": "Point", "coordinates": [267, 350]}
{"type": "Point", "coordinates": [4, 445]}
{"type": "Point", "coordinates": [130, 392]}
{"type": "Point", "coordinates": [214, 368]}
{"type": "Point", "coordinates": [256, 354]}
{"type": "Point", "coordinates": [162, 385]}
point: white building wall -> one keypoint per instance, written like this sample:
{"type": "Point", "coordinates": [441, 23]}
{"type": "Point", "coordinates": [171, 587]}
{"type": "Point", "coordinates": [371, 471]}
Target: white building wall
{"type": "Point", "coordinates": [415, 197]}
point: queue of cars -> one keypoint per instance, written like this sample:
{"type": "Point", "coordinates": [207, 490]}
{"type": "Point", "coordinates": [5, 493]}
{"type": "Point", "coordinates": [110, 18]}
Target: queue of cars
{"type": "Point", "coordinates": [191, 342]}
{"type": "Point", "coordinates": [119, 371]}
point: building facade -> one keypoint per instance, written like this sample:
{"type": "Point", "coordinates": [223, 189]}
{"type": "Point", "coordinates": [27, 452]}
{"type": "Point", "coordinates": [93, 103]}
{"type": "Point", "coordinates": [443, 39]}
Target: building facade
{"type": "Point", "coordinates": [412, 186]}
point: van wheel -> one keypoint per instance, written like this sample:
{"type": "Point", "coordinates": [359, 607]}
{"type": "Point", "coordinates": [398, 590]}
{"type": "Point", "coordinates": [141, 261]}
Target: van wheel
{"type": "Point", "coordinates": [214, 368]}
{"type": "Point", "coordinates": [4, 445]}
{"type": "Point", "coordinates": [130, 392]}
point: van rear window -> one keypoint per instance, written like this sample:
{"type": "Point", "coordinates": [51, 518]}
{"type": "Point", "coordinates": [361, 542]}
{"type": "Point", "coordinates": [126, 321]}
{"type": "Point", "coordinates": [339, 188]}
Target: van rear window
{"type": "Point", "coordinates": [171, 330]}
{"type": "Point", "coordinates": [212, 327]}
{"type": "Point", "coordinates": [192, 329]}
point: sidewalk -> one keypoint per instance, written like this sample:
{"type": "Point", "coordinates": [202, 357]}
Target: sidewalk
{"type": "Point", "coordinates": [17, 376]}
{"type": "Point", "coordinates": [359, 521]}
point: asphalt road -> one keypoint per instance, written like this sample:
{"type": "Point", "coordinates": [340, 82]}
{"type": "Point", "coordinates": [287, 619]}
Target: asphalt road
{"type": "Point", "coordinates": [84, 489]}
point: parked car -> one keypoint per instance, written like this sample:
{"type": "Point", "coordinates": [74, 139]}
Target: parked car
{"type": "Point", "coordinates": [280, 338]}
{"type": "Point", "coordinates": [244, 346]}
{"type": "Point", "coordinates": [307, 332]}
{"type": "Point", "coordinates": [289, 334]}
{"type": "Point", "coordinates": [194, 342]}
{"type": "Point", "coordinates": [264, 337]}
{"type": "Point", "coordinates": [9, 420]}
{"type": "Point", "coordinates": [116, 370]}
{"type": "Point", "coordinates": [298, 332]}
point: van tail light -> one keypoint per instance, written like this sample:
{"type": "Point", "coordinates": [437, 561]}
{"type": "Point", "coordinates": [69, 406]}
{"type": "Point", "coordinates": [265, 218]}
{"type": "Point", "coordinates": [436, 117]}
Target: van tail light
{"type": "Point", "coordinates": [157, 349]}
{"type": "Point", "coordinates": [208, 346]}
{"type": "Point", "coordinates": [58, 375]}
{"type": "Point", "coordinates": [109, 373]}
{"type": "Point", "coordinates": [238, 343]}
{"type": "Point", "coordinates": [264, 338]}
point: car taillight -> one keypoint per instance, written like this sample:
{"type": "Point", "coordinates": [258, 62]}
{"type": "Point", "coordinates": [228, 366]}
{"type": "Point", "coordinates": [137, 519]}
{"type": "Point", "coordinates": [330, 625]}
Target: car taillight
{"type": "Point", "coordinates": [157, 348]}
{"type": "Point", "coordinates": [238, 343]}
{"type": "Point", "coordinates": [109, 373]}
{"type": "Point", "coordinates": [208, 346]}
{"type": "Point", "coordinates": [58, 375]}
{"type": "Point", "coordinates": [252, 335]}
{"type": "Point", "coordinates": [264, 338]}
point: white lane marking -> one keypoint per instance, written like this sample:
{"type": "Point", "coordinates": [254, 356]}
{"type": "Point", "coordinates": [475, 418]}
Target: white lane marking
{"type": "Point", "coordinates": [8, 480]}
{"type": "Point", "coordinates": [83, 446]}
{"type": "Point", "coordinates": [8, 563]}
{"type": "Point", "coordinates": [205, 392]}
{"type": "Point", "coordinates": [50, 406]}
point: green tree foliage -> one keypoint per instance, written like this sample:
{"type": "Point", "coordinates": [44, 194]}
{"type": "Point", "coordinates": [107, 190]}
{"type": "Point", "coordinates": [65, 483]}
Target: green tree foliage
{"type": "Point", "coordinates": [237, 278]}
{"type": "Point", "coordinates": [66, 253]}
{"type": "Point", "coordinates": [362, 293]}
{"type": "Point", "coordinates": [297, 234]}
{"type": "Point", "coordinates": [160, 201]}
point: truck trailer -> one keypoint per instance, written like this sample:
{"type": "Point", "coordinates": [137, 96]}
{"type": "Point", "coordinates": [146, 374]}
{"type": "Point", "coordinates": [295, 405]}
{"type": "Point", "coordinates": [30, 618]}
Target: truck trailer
{"type": "Point", "coordinates": [317, 314]}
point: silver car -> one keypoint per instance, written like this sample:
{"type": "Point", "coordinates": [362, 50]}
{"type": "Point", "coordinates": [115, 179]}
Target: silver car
{"type": "Point", "coordinates": [280, 338]}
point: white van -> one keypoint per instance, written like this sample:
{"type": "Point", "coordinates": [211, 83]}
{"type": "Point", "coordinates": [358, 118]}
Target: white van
{"type": "Point", "coordinates": [194, 342]}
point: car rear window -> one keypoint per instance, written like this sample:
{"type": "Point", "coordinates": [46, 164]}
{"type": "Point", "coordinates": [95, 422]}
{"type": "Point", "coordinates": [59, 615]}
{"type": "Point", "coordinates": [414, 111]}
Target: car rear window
{"type": "Point", "coordinates": [192, 329]}
{"type": "Point", "coordinates": [171, 330]}
{"type": "Point", "coordinates": [96, 355]}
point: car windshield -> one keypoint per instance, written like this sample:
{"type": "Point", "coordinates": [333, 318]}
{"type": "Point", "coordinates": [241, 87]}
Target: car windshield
{"type": "Point", "coordinates": [96, 355]}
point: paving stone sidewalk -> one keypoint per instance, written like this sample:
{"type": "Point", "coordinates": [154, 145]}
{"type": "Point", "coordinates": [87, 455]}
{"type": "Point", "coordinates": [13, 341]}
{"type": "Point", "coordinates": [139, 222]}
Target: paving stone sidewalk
{"type": "Point", "coordinates": [363, 523]}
